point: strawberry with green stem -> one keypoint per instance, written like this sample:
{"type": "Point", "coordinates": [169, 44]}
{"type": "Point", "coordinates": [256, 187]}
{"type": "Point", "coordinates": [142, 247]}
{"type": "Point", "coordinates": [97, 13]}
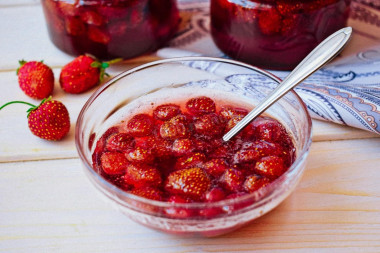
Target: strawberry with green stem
{"type": "Point", "coordinates": [35, 78]}
{"type": "Point", "coordinates": [49, 120]}
{"type": "Point", "coordinates": [83, 73]}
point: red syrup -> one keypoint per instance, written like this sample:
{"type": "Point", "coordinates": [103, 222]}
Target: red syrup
{"type": "Point", "coordinates": [175, 153]}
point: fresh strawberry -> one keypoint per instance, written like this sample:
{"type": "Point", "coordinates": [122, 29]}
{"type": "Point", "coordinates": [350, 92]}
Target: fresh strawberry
{"type": "Point", "coordinates": [120, 142]}
{"type": "Point", "coordinates": [166, 111]}
{"type": "Point", "coordinates": [182, 147]}
{"type": "Point", "coordinates": [35, 79]}
{"type": "Point", "coordinates": [209, 125]}
{"type": "Point", "coordinates": [270, 166]}
{"type": "Point", "coordinates": [140, 125]}
{"type": "Point", "coordinates": [140, 155]}
{"type": "Point", "coordinates": [193, 160]}
{"type": "Point", "coordinates": [49, 120]}
{"type": "Point", "coordinates": [200, 105]}
{"type": "Point", "coordinates": [192, 183]}
{"type": "Point", "coordinates": [83, 73]}
{"type": "Point", "coordinates": [233, 180]}
{"type": "Point", "coordinates": [142, 175]}
{"type": "Point", "coordinates": [253, 183]}
{"type": "Point", "coordinates": [216, 167]}
{"type": "Point", "coordinates": [113, 163]}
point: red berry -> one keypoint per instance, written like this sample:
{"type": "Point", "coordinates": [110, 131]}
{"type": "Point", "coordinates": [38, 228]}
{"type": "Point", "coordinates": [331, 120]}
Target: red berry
{"type": "Point", "coordinates": [74, 26]}
{"type": "Point", "coordinates": [209, 125]}
{"type": "Point", "coordinates": [191, 160]}
{"type": "Point", "coordinates": [113, 163]}
{"type": "Point", "coordinates": [177, 212]}
{"type": "Point", "coordinates": [239, 204]}
{"type": "Point", "coordinates": [80, 75]}
{"type": "Point", "coordinates": [270, 21]}
{"type": "Point", "coordinates": [171, 130]}
{"type": "Point", "coordinates": [228, 112]}
{"type": "Point", "coordinates": [182, 147]}
{"type": "Point", "coordinates": [98, 35]}
{"type": "Point", "coordinates": [101, 144]}
{"type": "Point", "coordinates": [161, 147]}
{"type": "Point", "coordinates": [269, 129]}
{"type": "Point", "coordinates": [120, 142]}
{"type": "Point", "coordinates": [233, 180]}
{"type": "Point", "coordinates": [148, 193]}
{"type": "Point", "coordinates": [140, 125]}
{"type": "Point", "coordinates": [67, 9]}
{"type": "Point", "coordinates": [200, 105]}
{"type": "Point", "coordinates": [270, 166]}
{"type": "Point", "coordinates": [253, 183]}
{"type": "Point", "coordinates": [221, 152]}
{"type": "Point", "coordinates": [50, 120]}
{"type": "Point", "coordinates": [192, 183]}
{"type": "Point", "coordinates": [232, 122]}
{"type": "Point", "coordinates": [215, 194]}
{"type": "Point", "coordinates": [253, 151]}
{"type": "Point", "coordinates": [216, 167]}
{"type": "Point", "coordinates": [141, 175]}
{"type": "Point", "coordinates": [91, 18]}
{"type": "Point", "coordinates": [166, 111]}
{"type": "Point", "coordinates": [140, 155]}
{"type": "Point", "coordinates": [35, 79]}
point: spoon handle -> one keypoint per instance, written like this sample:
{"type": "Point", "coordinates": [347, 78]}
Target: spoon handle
{"type": "Point", "coordinates": [322, 54]}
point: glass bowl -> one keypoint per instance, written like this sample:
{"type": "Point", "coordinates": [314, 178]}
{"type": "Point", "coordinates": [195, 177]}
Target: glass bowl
{"type": "Point", "coordinates": [178, 78]}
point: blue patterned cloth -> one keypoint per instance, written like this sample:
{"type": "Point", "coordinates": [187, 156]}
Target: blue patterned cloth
{"type": "Point", "coordinates": [346, 91]}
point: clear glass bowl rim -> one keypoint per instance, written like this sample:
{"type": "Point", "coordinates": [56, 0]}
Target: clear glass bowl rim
{"type": "Point", "coordinates": [196, 205]}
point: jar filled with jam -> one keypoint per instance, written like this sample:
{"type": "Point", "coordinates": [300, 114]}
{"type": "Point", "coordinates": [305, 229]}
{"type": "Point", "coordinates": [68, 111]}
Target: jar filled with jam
{"type": "Point", "coordinates": [110, 29]}
{"type": "Point", "coordinates": [274, 34]}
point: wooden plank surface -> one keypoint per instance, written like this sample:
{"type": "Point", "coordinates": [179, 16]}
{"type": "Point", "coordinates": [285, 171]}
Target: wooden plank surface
{"type": "Point", "coordinates": [47, 204]}
{"type": "Point", "coordinates": [50, 206]}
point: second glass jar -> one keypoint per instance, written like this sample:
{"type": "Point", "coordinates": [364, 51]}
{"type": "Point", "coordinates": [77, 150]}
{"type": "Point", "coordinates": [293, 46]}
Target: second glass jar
{"type": "Point", "coordinates": [110, 29]}
{"type": "Point", "coordinates": [274, 34]}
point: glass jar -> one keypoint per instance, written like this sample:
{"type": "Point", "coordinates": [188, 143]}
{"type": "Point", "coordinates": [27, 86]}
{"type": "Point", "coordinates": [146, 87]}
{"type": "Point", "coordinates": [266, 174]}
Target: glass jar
{"type": "Point", "coordinates": [274, 34]}
{"type": "Point", "coordinates": [110, 29]}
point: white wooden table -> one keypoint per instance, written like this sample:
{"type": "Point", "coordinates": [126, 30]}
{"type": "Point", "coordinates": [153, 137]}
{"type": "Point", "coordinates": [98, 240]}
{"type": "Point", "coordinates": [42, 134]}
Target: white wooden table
{"type": "Point", "coordinates": [47, 204]}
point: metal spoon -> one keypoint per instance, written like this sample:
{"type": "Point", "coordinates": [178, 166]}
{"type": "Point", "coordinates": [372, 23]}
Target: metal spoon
{"type": "Point", "coordinates": [323, 53]}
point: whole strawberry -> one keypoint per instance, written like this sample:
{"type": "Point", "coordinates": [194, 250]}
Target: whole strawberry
{"type": "Point", "coordinates": [36, 79]}
{"type": "Point", "coordinates": [83, 73]}
{"type": "Point", "coordinates": [49, 120]}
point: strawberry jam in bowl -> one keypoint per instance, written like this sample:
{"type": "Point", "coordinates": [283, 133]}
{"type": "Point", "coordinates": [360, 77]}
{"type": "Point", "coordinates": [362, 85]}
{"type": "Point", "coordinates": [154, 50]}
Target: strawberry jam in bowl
{"type": "Point", "coordinates": [150, 140]}
{"type": "Point", "coordinates": [274, 34]}
{"type": "Point", "coordinates": [110, 29]}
